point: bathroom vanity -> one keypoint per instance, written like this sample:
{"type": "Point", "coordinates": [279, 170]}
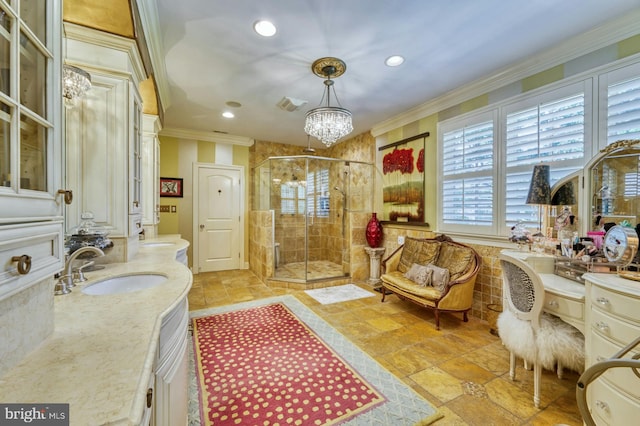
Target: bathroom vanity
{"type": "Point", "coordinates": [116, 358]}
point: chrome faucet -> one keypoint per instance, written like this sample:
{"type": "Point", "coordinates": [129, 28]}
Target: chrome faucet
{"type": "Point", "coordinates": [65, 282]}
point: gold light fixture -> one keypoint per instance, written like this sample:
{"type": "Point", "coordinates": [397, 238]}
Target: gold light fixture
{"type": "Point", "coordinates": [75, 83]}
{"type": "Point", "coordinates": [327, 123]}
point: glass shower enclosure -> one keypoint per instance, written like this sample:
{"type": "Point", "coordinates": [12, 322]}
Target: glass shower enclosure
{"type": "Point", "coordinates": [312, 199]}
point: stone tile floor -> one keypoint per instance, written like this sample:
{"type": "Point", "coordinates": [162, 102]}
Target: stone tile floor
{"type": "Point", "coordinates": [315, 269]}
{"type": "Point", "coordinates": [461, 369]}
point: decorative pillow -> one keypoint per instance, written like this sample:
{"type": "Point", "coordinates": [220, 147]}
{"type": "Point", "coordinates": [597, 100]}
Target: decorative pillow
{"type": "Point", "coordinates": [439, 277]}
{"type": "Point", "coordinates": [418, 251]}
{"type": "Point", "coordinates": [409, 256]}
{"type": "Point", "coordinates": [455, 258]}
{"type": "Point", "coordinates": [419, 274]}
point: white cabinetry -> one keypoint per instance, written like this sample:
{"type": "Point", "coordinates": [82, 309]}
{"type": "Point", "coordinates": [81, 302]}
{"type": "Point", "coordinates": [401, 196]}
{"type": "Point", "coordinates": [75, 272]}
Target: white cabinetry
{"type": "Point", "coordinates": [150, 174]}
{"type": "Point", "coordinates": [614, 322]}
{"type": "Point", "coordinates": [104, 138]}
{"type": "Point", "coordinates": [30, 174]}
{"type": "Point", "coordinates": [172, 372]}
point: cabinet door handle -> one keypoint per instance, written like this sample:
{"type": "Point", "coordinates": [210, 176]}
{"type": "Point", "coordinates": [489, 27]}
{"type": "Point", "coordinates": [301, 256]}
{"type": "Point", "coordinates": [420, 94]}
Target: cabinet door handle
{"type": "Point", "coordinates": [149, 397]}
{"type": "Point", "coordinates": [602, 326]}
{"type": "Point", "coordinates": [24, 263]}
{"type": "Point", "coordinates": [602, 406]}
{"type": "Point", "coordinates": [603, 301]}
{"type": "Point", "coordinates": [68, 195]}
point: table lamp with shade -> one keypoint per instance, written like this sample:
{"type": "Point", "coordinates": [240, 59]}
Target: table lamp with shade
{"type": "Point", "coordinates": [540, 190]}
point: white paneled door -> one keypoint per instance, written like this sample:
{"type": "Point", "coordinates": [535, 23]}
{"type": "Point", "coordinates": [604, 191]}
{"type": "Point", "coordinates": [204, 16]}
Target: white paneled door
{"type": "Point", "coordinates": [218, 208]}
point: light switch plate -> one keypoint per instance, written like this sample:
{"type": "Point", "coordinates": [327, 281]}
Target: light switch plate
{"type": "Point", "coordinates": [164, 209]}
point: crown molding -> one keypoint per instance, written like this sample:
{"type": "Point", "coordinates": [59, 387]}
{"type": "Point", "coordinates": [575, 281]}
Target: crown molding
{"type": "Point", "coordinates": [110, 41]}
{"type": "Point", "coordinates": [207, 136]}
{"type": "Point", "coordinates": [151, 123]}
{"type": "Point", "coordinates": [599, 37]}
{"type": "Point", "coordinates": [148, 11]}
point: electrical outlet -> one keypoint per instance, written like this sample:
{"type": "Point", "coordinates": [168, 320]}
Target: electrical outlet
{"type": "Point", "coordinates": [400, 240]}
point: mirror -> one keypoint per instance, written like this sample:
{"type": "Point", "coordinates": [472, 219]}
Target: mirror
{"type": "Point", "coordinates": [615, 186]}
{"type": "Point", "coordinates": [565, 196]}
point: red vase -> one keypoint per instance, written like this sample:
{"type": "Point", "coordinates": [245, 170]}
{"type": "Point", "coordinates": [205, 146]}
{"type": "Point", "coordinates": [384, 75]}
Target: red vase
{"type": "Point", "coordinates": [374, 232]}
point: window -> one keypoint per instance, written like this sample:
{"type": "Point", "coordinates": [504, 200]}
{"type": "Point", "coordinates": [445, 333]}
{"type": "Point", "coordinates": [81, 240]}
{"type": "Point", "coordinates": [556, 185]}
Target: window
{"type": "Point", "coordinates": [467, 170]}
{"type": "Point", "coordinates": [552, 132]}
{"type": "Point", "coordinates": [312, 192]}
{"type": "Point", "coordinates": [487, 158]}
{"type": "Point", "coordinates": [318, 193]}
{"type": "Point", "coordinates": [292, 197]}
{"type": "Point", "coordinates": [623, 103]}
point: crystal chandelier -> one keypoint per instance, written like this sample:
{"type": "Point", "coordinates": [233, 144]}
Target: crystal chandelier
{"type": "Point", "coordinates": [327, 123]}
{"type": "Point", "coordinates": [75, 82]}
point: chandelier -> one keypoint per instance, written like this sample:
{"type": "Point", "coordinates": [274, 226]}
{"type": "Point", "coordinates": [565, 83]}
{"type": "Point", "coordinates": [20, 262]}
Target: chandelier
{"type": "Point", "coordinates": [75, 82]}
{"type": "Point", "coordinates": [327, 123]}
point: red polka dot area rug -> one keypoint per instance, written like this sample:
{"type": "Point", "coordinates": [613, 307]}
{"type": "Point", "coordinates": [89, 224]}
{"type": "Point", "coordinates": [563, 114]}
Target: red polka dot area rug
{"type": "Point", "coordinates": [275, 362]}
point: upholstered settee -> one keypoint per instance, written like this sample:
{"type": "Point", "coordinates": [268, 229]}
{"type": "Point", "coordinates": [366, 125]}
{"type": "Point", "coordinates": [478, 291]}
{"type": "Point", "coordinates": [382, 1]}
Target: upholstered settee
{"type": "Point", "coordinates": [436, 273]}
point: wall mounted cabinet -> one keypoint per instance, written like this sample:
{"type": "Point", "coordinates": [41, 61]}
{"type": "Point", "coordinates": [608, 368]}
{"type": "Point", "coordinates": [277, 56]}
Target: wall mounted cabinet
{"type": "Point", "coordinates": [104, 138]}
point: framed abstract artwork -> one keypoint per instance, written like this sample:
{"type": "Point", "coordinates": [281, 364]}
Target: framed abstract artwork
{"type": "Point", "coordinates": [170, 187]}
{"type": "Point", "coordinates": [403, 180]}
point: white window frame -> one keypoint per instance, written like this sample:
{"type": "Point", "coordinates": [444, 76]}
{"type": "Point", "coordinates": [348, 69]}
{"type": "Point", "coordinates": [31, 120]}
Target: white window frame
{"type": "Point", "coordinates": [499, 111]}
{"type": "Point", "coordinates": [613, 75]}
{"type": "Point", "coordinates": [460, 122]}
{"type": "Point", "coordinates": [559, 169]}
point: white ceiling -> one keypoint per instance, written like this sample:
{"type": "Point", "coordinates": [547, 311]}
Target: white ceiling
{"type": "Point", "coordinates": [212, 55]}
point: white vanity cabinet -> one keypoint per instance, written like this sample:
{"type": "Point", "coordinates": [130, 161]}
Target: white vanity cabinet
{"type": "Point", "coordinates": [104, 138]}
{"type": "Point", "coordinates": [614, 321]}
{"type": "Point", "coordinates": [172, 372]}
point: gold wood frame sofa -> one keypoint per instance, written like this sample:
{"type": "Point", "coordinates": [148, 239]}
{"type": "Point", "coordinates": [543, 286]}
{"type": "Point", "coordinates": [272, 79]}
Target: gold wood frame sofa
{"type": "Point", "coordinates": [406, 274]}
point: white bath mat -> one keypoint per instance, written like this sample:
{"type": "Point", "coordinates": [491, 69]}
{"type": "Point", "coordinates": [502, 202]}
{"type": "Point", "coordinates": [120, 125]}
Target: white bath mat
{"type": "Point", "coordinates": [340, 293]}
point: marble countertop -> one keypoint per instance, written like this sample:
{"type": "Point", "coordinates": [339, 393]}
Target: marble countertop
{"type": "Point", "coordinates": [100, 356]}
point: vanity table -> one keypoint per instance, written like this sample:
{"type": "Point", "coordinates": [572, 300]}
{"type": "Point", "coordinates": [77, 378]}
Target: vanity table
{"type": "Point", "coordinates": [563, 297]}
{"type": "Point", "coordinates": [606, 310]}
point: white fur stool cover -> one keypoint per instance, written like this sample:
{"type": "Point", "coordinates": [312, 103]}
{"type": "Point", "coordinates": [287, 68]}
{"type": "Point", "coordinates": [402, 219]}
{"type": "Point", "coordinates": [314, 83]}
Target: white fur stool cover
{"type": "Point", "coordinates": [556, 340]}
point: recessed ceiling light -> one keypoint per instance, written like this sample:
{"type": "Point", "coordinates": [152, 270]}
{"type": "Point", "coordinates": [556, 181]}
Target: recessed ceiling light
{"type": "Point", "coordinates": [228, 114]}
{"type": "Point", "coordinates": [394, 61]}
{"type": "Point", "coordinates": [264, 28]}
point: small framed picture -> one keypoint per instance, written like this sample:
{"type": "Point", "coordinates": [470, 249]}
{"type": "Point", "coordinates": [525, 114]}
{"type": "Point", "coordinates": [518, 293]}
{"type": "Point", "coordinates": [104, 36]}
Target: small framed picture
{"type": "Point", "coordinates": [170, 187]}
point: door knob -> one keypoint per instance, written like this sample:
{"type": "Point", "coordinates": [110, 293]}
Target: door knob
{"type": "Point", "coordinates": [202, 227]}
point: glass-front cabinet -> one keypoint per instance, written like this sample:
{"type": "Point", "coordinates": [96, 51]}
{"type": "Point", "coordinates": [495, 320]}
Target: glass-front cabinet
{"type": "Point", "coordinates": [31, 246]}
{"type": "Point", "coordinates": [30, 134]}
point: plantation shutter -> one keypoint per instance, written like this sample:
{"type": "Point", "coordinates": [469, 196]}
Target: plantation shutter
{"type": "Point", "coordinates": [467, 168]}
{"type": "Point", "coordinates": [623, 110]}
{"type": "Point", "coordinates": [551, 132]}
{"type": "Point", "coordinates": [318, 193]}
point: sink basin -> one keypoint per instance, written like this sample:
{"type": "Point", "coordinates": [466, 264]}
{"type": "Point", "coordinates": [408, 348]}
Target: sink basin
{"type": "Point", "coordinates": [158, 244]}
{"type": "Point", "coordinates": [124, 284]}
